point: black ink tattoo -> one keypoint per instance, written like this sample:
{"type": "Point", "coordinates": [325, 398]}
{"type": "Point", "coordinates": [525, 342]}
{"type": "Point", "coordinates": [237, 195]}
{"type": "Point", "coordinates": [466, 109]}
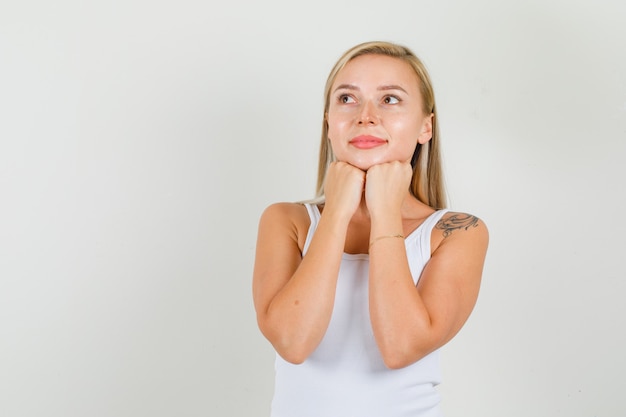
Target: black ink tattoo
{"type": "Point", "coordinates": [455, 222]}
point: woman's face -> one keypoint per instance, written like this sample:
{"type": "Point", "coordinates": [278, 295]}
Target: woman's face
{"type": "Point", "coordinates": [375, 113]}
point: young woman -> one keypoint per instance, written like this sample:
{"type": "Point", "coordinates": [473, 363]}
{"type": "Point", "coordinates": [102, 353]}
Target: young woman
{"type": "Point", "coordinates": [358, 289]}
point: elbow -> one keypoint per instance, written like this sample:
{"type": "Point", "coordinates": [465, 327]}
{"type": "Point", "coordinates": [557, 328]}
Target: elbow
{"type": "Point", "coordinates": [291, 350]}
{"type": "Point", "coordinates": [395, 363]}
{"type": "Point", "coordinates": [293, 346]}
{"type": "Point", "coordinates": [398, 356]}
{"type": "Point", "coordinates": [398, 360]}
{"type": "Point", "coordinates": [292, 356]}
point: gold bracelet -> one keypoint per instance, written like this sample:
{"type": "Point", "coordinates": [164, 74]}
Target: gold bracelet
{"type": "Point", "coordinates": [385, 237]}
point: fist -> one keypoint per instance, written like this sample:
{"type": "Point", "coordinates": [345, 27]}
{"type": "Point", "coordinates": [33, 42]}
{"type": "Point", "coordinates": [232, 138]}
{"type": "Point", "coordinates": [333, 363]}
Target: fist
{"type": "Point", "coordinates": [387, 185]}
{"type": "Point", "coordinates": [343, 188]}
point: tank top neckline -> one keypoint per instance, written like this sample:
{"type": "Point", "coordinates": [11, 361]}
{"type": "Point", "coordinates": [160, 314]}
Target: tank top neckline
{"type": "Point", "coordinates": [315, 214]}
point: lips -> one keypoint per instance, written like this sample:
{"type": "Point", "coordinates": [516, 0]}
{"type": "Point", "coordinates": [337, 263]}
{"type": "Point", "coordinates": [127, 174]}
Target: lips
{"type": "Point", "coordinates": [367, 142]}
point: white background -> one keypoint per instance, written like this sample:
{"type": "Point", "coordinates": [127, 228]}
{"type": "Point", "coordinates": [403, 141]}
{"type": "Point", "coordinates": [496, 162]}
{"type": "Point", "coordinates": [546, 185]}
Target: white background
{"type": "Point", "coordinates": [140, 141]}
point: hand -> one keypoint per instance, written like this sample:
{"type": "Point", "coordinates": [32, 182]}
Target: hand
{"type": "Point", "coordinates": [343, 188]}
{"type": "Point", "coordinates": [386, 186]}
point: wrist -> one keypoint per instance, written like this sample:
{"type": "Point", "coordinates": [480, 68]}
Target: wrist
{"type": "Point", "coordinates": [393, 236]}
{"type": "Point", "coordinates": [385, 215]}
{"type": "Point", "coordinates": [336, 216]}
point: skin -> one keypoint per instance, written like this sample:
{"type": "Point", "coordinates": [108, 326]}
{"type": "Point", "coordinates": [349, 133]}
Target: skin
{"type": "Point", "coordinates": [375, 99]}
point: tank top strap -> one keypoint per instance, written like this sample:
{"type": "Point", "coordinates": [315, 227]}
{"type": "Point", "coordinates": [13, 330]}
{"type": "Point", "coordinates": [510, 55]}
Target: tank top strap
{"type": "Point", "coordinates": [426, 231]}
{"type": "Point", "coordinates": [314, 215]}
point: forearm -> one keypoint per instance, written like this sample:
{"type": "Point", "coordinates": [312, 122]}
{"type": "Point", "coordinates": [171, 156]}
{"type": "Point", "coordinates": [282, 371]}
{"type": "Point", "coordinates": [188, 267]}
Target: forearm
{"type": "Point", "coordinates": [400, 320]}
{"type": "Point", "coordinates": [401, 323]}
{"type": "Point", "coordinates": [298, 316]}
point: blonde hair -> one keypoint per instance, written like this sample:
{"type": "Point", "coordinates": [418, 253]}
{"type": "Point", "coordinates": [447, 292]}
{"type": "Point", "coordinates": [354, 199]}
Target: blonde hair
{"type": "Point", "coordinates": [427, 181]}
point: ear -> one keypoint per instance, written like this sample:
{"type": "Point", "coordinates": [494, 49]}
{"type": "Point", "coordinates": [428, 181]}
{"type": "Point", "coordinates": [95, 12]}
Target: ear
{"type": "Point", "coordinates": [426, 132]}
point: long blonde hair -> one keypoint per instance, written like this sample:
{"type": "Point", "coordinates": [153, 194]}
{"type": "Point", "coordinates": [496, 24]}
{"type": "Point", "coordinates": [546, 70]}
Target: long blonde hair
{"type": "Point", "coordinates": [427, 181]}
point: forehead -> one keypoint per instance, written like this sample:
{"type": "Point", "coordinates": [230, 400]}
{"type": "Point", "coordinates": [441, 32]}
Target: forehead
{"type": "Point", "coordinates": [378, 70]}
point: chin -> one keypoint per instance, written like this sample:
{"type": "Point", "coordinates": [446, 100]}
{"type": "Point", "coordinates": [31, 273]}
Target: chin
{"type": "Point", "coordinates": [365, 165]}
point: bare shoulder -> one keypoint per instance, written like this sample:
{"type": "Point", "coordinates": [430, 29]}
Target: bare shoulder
{"type": "Point", "coordinates": [455, 222]}
{"type": "Point", "coordinates": [289, 219]}
{"type": "Point", "coordinates": [285, 212]}
{"type": "Point", "coordinates": [460, 228]}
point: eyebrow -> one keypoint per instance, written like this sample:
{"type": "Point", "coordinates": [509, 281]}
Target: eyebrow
{"type": "Point", "coordinates": [381, 88]}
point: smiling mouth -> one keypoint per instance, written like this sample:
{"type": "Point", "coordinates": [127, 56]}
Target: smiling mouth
{"type": "Point", "coordinates": [367, 142]}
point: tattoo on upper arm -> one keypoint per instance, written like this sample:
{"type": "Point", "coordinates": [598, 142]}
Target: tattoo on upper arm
{"type": "Point", "coordinates": [455, 222]}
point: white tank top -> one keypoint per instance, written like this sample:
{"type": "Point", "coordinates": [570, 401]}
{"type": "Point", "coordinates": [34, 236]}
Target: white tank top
{"type": "Point", "coordinates": [345, 376]}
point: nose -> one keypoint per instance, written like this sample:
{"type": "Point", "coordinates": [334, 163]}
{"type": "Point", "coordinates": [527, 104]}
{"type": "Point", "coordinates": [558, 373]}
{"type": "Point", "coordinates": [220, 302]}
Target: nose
{"type": "Point", "coordinates": [368, 114]}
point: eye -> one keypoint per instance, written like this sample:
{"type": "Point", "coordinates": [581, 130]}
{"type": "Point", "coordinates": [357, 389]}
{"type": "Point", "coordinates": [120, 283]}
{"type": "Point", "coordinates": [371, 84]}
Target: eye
{"type": "Point", "coordinates": [391, 100]}
{"type": "Point", "coordinates": [345, 99]}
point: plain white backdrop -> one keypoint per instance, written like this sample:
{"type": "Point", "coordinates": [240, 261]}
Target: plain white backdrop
{"type": "Point", "coordinates": [140, 141]}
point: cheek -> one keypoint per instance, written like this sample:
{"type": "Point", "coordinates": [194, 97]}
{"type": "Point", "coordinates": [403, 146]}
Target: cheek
{"type": "Point", "coordinates": [336, 125]}
{"type": "Point", "coordinates": [407, 129]}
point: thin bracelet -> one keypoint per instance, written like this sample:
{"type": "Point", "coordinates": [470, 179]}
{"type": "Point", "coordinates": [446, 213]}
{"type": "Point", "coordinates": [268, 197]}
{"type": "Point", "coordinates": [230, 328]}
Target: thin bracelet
{"type": "Point", "coordinates": [385, 237]}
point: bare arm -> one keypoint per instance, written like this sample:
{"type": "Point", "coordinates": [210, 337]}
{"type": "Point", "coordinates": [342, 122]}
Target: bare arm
{"type": "Point", "coordinates": [410, 322]}
{"type": "Point", "coordinates": [294, 295]}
